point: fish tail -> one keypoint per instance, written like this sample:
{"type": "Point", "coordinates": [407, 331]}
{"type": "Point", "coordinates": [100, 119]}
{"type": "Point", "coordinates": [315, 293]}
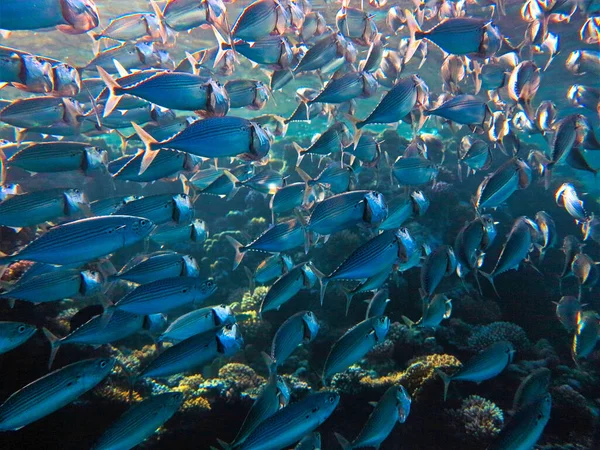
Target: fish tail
{"type": "Point", "coordinates": [222, 47]}
{"type": "Point", "coordinates": [305, 177]}
{"type": "Point", "coordinates": [271, 364]}
{"type": "Point", "coordinates": [446, 379]}
{"type": "Point", "coordinates": [300, 152]}
{"type": "Point", "coordinates": [415, 35]}
{"type": "Point", "coordinates": [235, 182]}
{"type": "Point", "coordinates": [343, 441]}
{"type": "Point", "coordinates": [490, 278]}
{"type": "Point", "coordinates": [349, 295]}
{"type": "Point", "coordinates": [162, 23]}
{"type": "Point", "coordinates": [323, 280]}
{"type": "Point", "coordinates": [223, 444]}
{"type": "Point", "coordinates": [251, 282]}
{"type": "Point", "coordinates": [500, 4]}
{"type": "Point", "coordinates": [114, 90]}
{"type": "Point", "coordinates": [239, 251]}
{"type": "Point", "coordinates": [54, 345]}
{"type": "Point", "coordinates": [409, 323]}
{"type": "Point", "coordinates": [548, 174]}
{"type": "Point", "coordinates": [149, 143]}
{"type": "Point", "coordinates": [109, 310]}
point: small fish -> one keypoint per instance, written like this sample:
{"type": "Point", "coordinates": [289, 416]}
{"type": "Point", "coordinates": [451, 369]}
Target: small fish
{"type": "Point", "coordinates": [586, 335]}
{"type": "Point", "coordinates": [274, 396]}
{"type": "Point", "coordinates": [336, 177]}
{"type": "Point", "coordinates": [434, 311]}
{"type": "Point", "coordinates": [194, 352]}
{"type": "Point", "coordinates": [259, 19]}
{"type": "Point", "coordinates": [439, 263]}
{"type": "Point", "coordinates": [581, 62]}
{"type": "Point", "coordinates": [140, 421]}
{"type": "Point", "coordinates": [214, 137]}
{"type": "Point", "coordinates": [568, 310]}
{"type": "Point", "coordinates": [52, 391]}
{"type": "Point", "coordinates": [333, 140]}
{"type": "Point", "coordinates": [571, 247]}
{"type": "Point", "coordinates": [516, 248]}
{"type": "Point", "coordinates": [198, 321]}
{"type": "Point", "coordinates": [167, 163]}
{"type": "Point", "coordinates": [475, 154]}
{"type": "Point", "coordinates": [269, 269]}
{"type": "Point", "coordinates": [273, 51]}
{"type": "Point", "coordinates": [525, 427]}
{"type": "Point", "coordinates": [566, 196]}
{"type": "Point", "coordinates": [345, 87]}
{"type": "Point", "coordinates": [60, 156]}
{"type": "Point", "coordinates": [95, 332]}
{"type": "Point", "coordinates": [14, 334]}
{"type": "Point", "coordinates": [172, 234]}
{"type": "Point", "coordinates": [569, 133]}
{"type": "Point", "coordinates": [40, 112]}
{"type": "Point", "coordinates": [532, 388]}
{"type": "Point", "coordinates": [354, 345]}
{"type": "Point", "coordinates": [265, 182]}
{"type": "Point", "coordinates": [378, 303]}
{"type": "Point", "coordinates": [398, 102]}
{"type": "Point", "coordinates": [548, 232]}
{"type": "Point", "coordinates": [327, 54]}
{"type": "Point", "coordinates": [164, 295]}
{"type": "Point", "coordinates": [414, 170]}
{"type": "Point", "coordinates": [457, 36]}
{"type": "Point", "coordinates": [371, 284]}
{"type": "Point", "coordinates": [290, 424]}
{"type": "Point", "coordinates": [356, 24]}
{"type": "Point", "coordinates": [185, 15]}
{"type": "Point", "coordinates": [250, 94]}
{"type": "Point", "coordinates": [497, 187]}
{"type": "Point", "coordinates": [523, 84]}
{"type": "Point", "coordinates": [134, 55]}
{"type": "Point", "coordinates": [287, 286]}
{"type": "Point", "coordinates": [471, 243]}
{"type": "Point", "coordinates": [416, 206]}
{"type": "Point", "coordinates": [70, 17]}
{"type": "Point", "coordinates": [25, 71]}
{"type": "Point", "coordinates": [55, 286]}
{"type": "Point", "coordinates": [343, 211]}
{"type": "Point", "coordinates": [131, 27]}
{"type": "Point", "coordinates": [84, 240]}
{"type": "Point", "coordinates": [487, 364]}
{"type": "Point", "coordinates": [462, 109]}
{"type": "Point", "coordinates": [35, 208]}
{"type": "Point", "coordinates": [585, 270]}
{"type": "Point", "coordinates": [301, 328]}
{"type": "Point", "coordinates": [591, 229]}
{"type": "Point", "coordinates": [311, 441]}
{"type": "Point", "coordinates": [161, 208]}
{"type": "Point", "coordinates": [372, 258]}
{"type": "Point", "coordinates": [392, 407]}
{"type": "Point", "coordinates": [157, 266]}
{"type": "Point", "coordinates": [279, 238]}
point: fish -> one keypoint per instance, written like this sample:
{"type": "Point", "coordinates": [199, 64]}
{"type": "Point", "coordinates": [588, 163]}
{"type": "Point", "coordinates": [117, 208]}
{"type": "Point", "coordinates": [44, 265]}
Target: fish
{"type": "Point", "coordinates": [95, 332]}
{"type": "Point", "coordinates": [415, 206]}
{"type": "Point", "coordinates": [371, 284]}
{"type": "Point", "coordinates": [354, 345]}
{"type": "Point", "coordinates": [516, 248]}
{"type": "Point", "coordinates": [83, 240]}
{"type": "Point", "coordinates": [337, 178]}
{"type": "Point", "coordinates": [581, 62]}
{"type": "Point", "coordinates": [590, 229]}
{"type": "Point", "coordinates": [55, 286]}
{"type": "Point", "coordinates": [548, 231]}
{"type": "Point", "coordinates": [525, 427]}
{"type": "Point", "coordinates": [439, 263]}
{"type": "Point", "coordinates": [568, 309]}
{"type": "Point", "coordinates": [164, 295]}
{"type": "Point", "coordinates": [414, 170]}
{"type": "Point", "coordinates": [523, 84]}
{"type": "Point", "coordinates": [566, 196]}
{"type": "Point", "coordinates": [327, 54]}
{"type": "Point", "coordinates": [335, 139]}
{"type": "Point", "coordinates": [279, 238]}
{"type": "Point", "coordinates": [585, 270]}
{"type": "Point", "coordinates": [398, 102]}
{"type": "Point", "coordinates": [471, 243]}
{"type": "Point", "coordinates": [311, 441]}
{"type": "Point", "coordinates": [199, 321]}
{"type": "Point", "coordinates": [287, 286]}
{"type": "Point", "coordinates": [498, 186]}
{"type": "Point", "coordinates": [346, 87]}
{"type": "Point", "coordinates": [131, 27]}
{"type": "Point", "coordinates": [194, 352]}
{"type": "Point", "coordinates": [274, 396]}
{"type": "Point", "coordinates": [232, 136]}
{"type": "Point", "coordinates": [392, 407]}
{"type": "Point", "coordinates": [144, 269]}
{"type": "Point", "coordinates": [269, 269]}
{"type": "Point", "coordinates": [160, 208]}
{"type": "Point", "coordinates": [140, 421]}
{"type": "Point", "coordinates": [571, 247]}
{"type": "Point", "coordinates": [475, 154]}
{"type": "Point", "coordinates": [185, 15]}
{"type": "Point", "coordinates": [487, 364]}
{"type": "Point", "coordinates": [51, 392]}
{"type": "Point", "coordinates": [371, 258]}
{"type": "Point", "coordinates": [14, 334]}
{"type": "Point", "coordinates": [532, 388]}
{"type": "Point", "coordinates": [585, 336]}
{"type": "Point", "coordinates": [299, 329]}
{"type": "Point", "coordinates": [378, 303]}
{"type": "Point", "coordinates": [435, 310]}
{"type": "Point", "coordinates": [172, 234]}
{"type": "Point", "coordinates": [463, 109]}
{"type": "Point", "coordinates": [72, 17]}
{"type": "Point", "coordinates": [250, 94]}
{"type": "Point", "coordinates": [259, 19]}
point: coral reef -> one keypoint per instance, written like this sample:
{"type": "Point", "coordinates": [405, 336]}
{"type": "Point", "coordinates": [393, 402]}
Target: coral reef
{"type": "Point", "coordinates": [486, 335]}
{"type": "Point", "coordinates": [477, 419]}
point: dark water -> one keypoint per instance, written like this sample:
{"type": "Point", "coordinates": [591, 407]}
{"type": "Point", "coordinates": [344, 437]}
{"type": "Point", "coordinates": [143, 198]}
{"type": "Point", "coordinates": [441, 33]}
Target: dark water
{"type": "Point", "coordinates": [219, 394]}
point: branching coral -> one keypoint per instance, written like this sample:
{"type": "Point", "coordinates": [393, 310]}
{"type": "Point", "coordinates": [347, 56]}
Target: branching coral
{"type": "Point", "coordinates": [477, 419]}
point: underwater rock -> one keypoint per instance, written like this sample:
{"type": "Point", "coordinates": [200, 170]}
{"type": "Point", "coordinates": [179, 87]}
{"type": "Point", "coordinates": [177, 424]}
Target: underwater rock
{"type": "Point", "coordinates": [477, 311]}
{"type": "Point", "coordinates": [478, 419]}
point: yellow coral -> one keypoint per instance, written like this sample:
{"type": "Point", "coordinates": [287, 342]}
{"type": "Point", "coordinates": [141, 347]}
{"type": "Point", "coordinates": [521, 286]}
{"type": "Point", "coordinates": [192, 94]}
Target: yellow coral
{"type": "Point", "coordinates": [116, 393]}
{"type": "Point", "coordinates": [196, 403]}
{"type": "Point", "coordinates": [417, 375]}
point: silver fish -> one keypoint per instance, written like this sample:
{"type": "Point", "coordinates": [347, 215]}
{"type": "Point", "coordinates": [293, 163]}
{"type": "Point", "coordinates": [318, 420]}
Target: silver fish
{"type": "Point", "coordinates": [301, 328]}
{"type": "Point", "coordinates": [14, 334]}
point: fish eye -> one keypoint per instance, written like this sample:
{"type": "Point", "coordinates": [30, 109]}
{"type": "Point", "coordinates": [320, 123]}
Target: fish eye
{"type": "Point", "coordinates": [143, 222]}
{"type": "Point", "coordinates": [331, 399]}
{"type": "Point", "coordinates": [21, 329]}
{"type": "Point", "coordinates": [102, 364]}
